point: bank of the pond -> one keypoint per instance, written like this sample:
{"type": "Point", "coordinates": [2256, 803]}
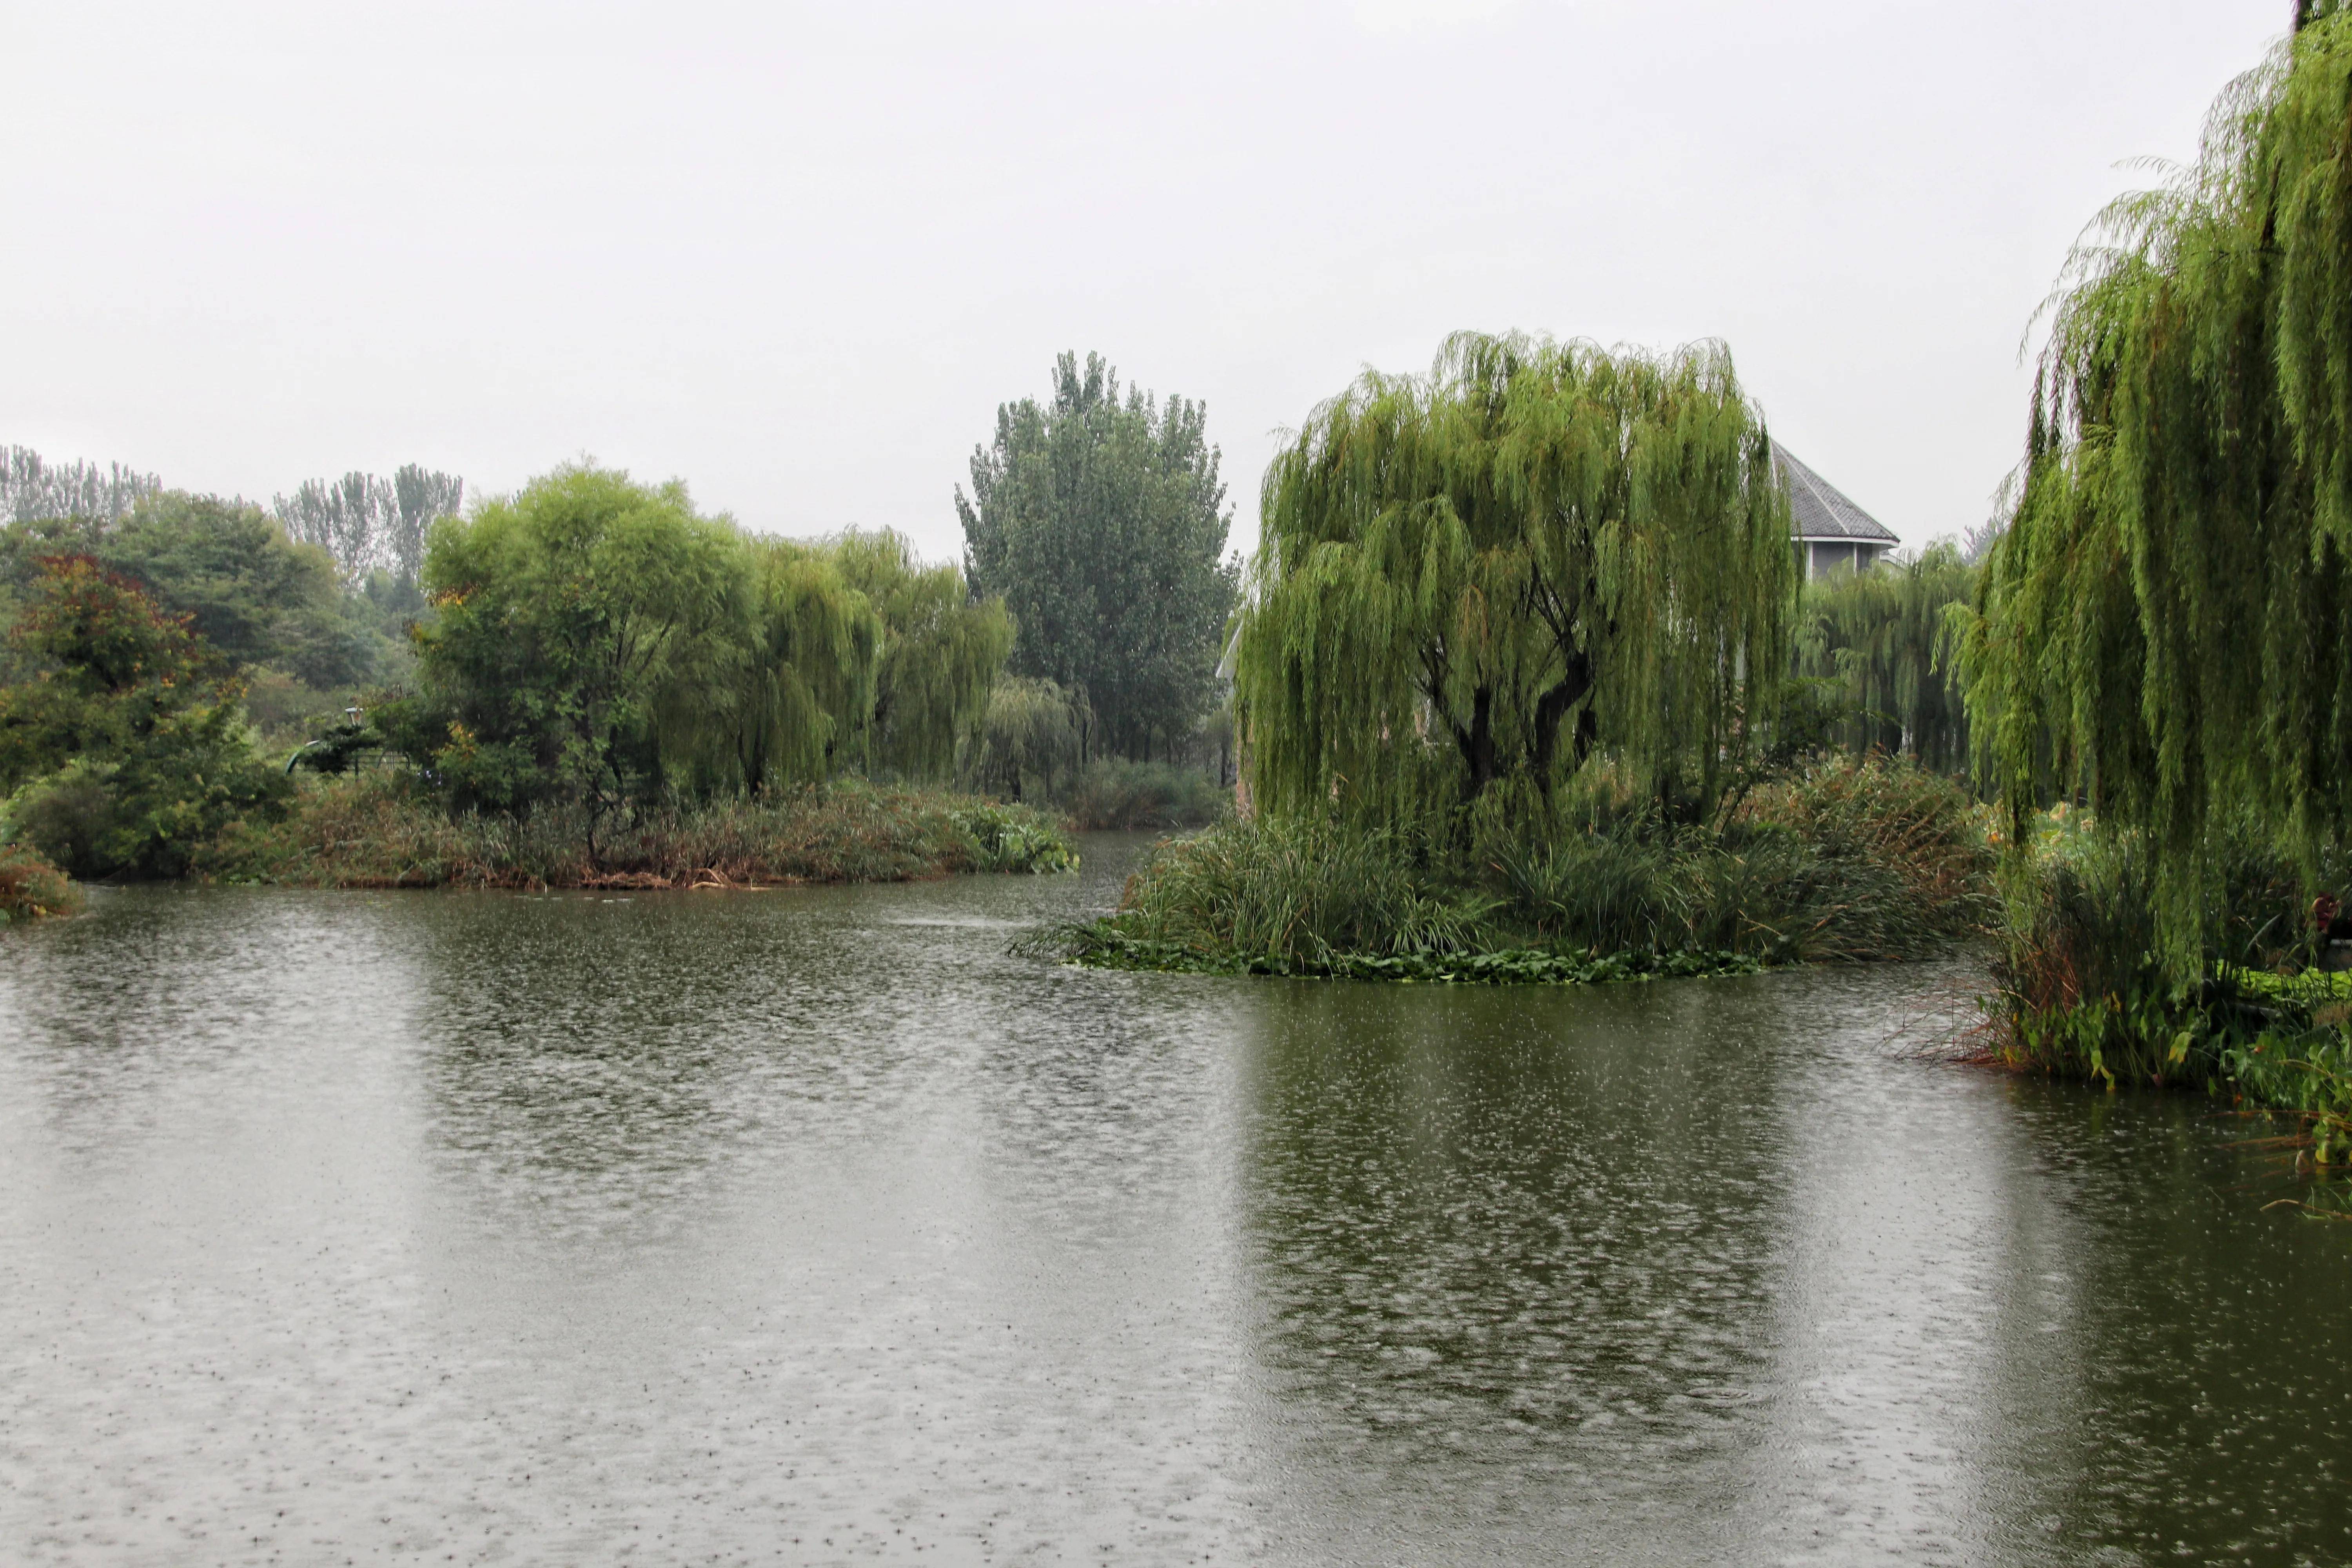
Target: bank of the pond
{"type": "Point", "coordinates": [1845, 861]}
{"type": "Point", "coordinates": [382, 830]}
{"type": "Point", "coordinates": [1101, 944]}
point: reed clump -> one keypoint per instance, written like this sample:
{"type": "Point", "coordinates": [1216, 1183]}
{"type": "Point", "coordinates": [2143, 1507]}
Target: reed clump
{"type": "Point", "coordinates": [1845, 860]}
{"type": "Point", "coordinates": [384, 830]}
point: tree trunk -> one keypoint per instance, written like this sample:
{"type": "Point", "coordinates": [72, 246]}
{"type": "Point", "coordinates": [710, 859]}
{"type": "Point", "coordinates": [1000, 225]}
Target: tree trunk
{"type": "Point", "coordinates": [1477, 744]}
{"type": "Point", "coordinates": [1551, 709]}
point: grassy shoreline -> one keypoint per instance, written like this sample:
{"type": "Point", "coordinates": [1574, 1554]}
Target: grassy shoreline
{"type": "Point", "coordinates": [1844, 861]}
{"type": "Point", "coordinates": [380, 830]}
{"type": "Point", "coordinates": [1102, 944]}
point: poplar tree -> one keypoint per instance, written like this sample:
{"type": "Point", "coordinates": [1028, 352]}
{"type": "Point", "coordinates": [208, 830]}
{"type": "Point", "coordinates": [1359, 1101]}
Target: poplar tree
{"type": "Point", "coordinates": [1100, 522]}
{"type": "Point", "coordinates": [2165, 625]}
{"type": "Point", "coordinates": [369, 524]}
{"type": "Point", "coordinates": [1471, 585]}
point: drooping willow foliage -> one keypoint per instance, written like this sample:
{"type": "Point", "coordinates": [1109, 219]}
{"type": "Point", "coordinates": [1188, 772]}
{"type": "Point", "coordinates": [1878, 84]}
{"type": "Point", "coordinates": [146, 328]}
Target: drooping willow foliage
{"type": "Point", "coordinates": [941, 652]}
{"type": "Point", "coordinates": [1471, 584]}
{"type": "Point", "coordinates": [790, 676]}
{"type": "Point", "coordinates": [1033, 742]}
{"type": "Point", "coordinates": [1883, 651]}
{"type": "Point", "coordinates": [2165, 627]}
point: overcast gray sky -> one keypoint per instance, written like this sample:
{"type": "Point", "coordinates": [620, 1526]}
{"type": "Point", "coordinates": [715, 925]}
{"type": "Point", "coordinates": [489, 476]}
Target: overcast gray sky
{"type": "Point", "coordinates": [797, 255]}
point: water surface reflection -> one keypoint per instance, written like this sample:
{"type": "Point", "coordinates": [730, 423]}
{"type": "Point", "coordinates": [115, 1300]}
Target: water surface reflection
{"type": "Point", "coordinates": [816, 1226]}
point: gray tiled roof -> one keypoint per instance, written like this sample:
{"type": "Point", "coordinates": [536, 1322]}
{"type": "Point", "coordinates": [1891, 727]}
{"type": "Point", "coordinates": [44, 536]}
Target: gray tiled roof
{"type": "Point", "coordinates": [1819, 509]}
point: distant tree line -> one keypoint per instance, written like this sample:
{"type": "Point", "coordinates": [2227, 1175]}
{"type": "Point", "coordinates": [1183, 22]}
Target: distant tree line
{"type": "Point", "coordinates": [599, 644]}
{"type": "Point", "coordinates": [369, 524]}
{"type": "Point", "coordinates": [32, 490]}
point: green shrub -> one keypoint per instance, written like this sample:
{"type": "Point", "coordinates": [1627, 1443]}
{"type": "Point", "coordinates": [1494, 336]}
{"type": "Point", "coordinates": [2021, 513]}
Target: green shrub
{"type": "Point", "coordinates": [30, 888]}
{"type": "Point", "coordinates": [2081, 989]}
{"type": "Point", "coordinates": [124, 741]}
{"type": "Point", "coordinates": [150, 814]}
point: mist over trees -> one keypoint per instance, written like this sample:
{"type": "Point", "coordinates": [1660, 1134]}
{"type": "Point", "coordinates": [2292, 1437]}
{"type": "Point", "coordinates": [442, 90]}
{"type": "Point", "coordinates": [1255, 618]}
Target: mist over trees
{"type": "Point", "coordinates": [33, 491]}
{"type": "Point", "coordinates": [369, 524]}
{"type": "Point", "coordinates": [1101, 522]}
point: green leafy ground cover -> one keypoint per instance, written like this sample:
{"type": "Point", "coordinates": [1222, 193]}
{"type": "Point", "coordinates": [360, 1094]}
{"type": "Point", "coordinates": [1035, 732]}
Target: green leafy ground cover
{"type": "Point", "coordinates": [1103, 945]}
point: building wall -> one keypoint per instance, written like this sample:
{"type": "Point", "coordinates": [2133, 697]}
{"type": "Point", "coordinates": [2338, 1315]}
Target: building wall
{"type": "Point", "coordinates": [1819, 557]}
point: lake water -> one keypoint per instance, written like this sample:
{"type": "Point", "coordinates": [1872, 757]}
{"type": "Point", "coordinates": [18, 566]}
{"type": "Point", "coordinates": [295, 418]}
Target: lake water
{"type": "Point", "coordinates": [813, 1226]}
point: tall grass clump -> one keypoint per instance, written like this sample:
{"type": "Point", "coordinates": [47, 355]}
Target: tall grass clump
{"type": "Point", "coordinates": [1846, 860]}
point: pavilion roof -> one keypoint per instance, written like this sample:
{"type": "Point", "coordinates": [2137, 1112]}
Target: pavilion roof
{"type": "Point", "coordinates": [1819, 509]}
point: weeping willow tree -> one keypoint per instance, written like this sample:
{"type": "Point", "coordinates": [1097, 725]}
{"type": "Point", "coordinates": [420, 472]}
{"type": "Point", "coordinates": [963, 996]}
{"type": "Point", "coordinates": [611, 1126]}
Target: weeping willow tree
{"type": "Point", "coordinates": [1033, 742]}
{"type": "Point", "coordinates": [1471, 585]}
{"type": "Point", "coordinates": [941, 652]}
{"type": "Point", "coordinates": [1882, 647]}
{"type": "Point", "coordinates": [2165, 625]}
{"type": "Point", "coordinates": [794, 679]}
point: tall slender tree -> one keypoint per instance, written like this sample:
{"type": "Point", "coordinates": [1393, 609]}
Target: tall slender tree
{"type": "Point", "coordinates": [1101, 523]}
{"type": "Point", "coordinates": [34, 490]}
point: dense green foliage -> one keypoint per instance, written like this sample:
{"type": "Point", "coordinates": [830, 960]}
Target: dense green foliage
{"type": "Point", "coordinates": [122, 745]}
{"type": "Point", "coordinates": [2165, 627]}
{"type": "Point", "coordinates": [942, 653]}
{"type": "Point", "coordinates": [598, 644]}
{"type": "Point", "coordinates": [1473, 583]}
{"type": "Point", "coordinates": [2084, 991]}
{"type": "Point", "coordinates": [1100, 522]}
{"type": "Point", "coordinates": [1032, 740]}
{"type": "Point", "coordinates": [1848, 860]}
{"type": "Point", "coordinates": [1114, 793]}
{"type": "Point", "coordinates": [566, 614]}
{"type": "Point", "coordinates": [604, 678]}
{"type": "Point", "coordinates": [1877, 659]}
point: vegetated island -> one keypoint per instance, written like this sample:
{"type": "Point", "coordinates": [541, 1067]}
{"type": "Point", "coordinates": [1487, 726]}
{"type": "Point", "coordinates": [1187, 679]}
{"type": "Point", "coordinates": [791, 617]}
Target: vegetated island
{"type": "Point", "coordinates": [1516, 692]}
